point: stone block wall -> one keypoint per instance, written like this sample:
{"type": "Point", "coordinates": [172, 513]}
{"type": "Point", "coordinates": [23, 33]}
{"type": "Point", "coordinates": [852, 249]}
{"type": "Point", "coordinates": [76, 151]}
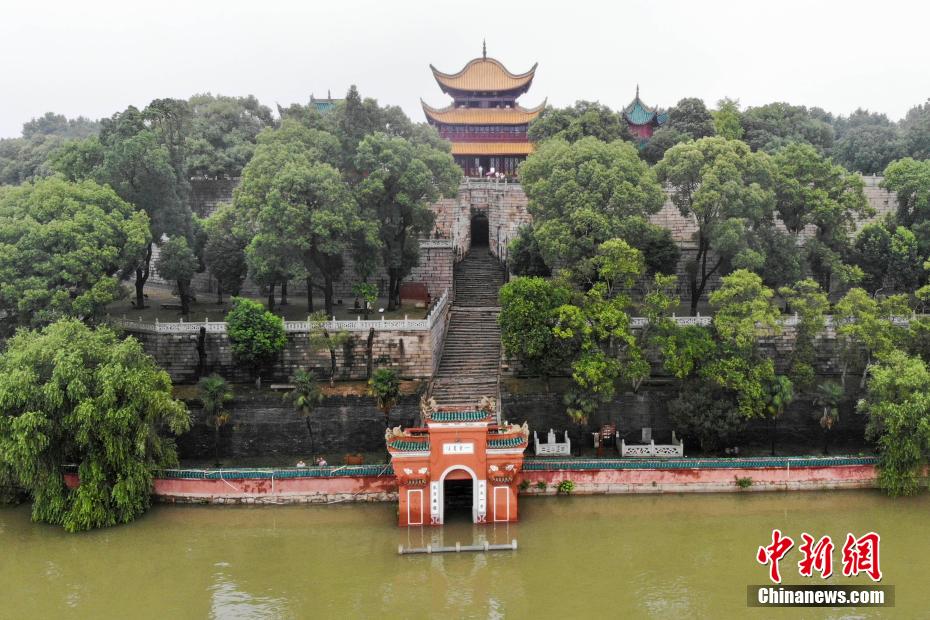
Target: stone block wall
{"type": "Point", "coordinates": [414, 353]}
{"type": "Point", "coordinates": [263, 424]}
{"type": "Point", "coordinates": [207, 194]}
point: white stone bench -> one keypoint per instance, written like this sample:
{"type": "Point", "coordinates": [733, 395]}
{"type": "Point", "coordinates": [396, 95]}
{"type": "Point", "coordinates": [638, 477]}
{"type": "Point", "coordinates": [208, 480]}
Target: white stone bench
{"type": "Point", "coordinates": [651, 450]}
{"type": "Point", "coordinates": [552, 447]}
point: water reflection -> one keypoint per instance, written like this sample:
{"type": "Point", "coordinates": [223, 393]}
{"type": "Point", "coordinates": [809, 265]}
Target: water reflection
{"type": "Point", "coordinates": [647, 556]}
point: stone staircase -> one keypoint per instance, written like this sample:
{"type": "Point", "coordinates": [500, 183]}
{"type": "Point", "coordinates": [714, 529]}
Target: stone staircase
{"type": "Point", "coordinates": [470, 362]}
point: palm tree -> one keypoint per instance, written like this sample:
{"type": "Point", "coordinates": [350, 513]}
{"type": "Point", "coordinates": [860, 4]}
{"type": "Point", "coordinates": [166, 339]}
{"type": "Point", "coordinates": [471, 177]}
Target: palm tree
{"type": "Point", "coordinates": [780, 395]}
{"type": "Point", "coordinates": [215, 393]}
{"type": "Point", "coordinates": [384, 385]}
{"type": "Point", "coordinates": [829, 396]}
{"type": "Point", "coordinates": [305, 396]}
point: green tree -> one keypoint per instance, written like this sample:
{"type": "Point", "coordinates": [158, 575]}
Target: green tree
{"type": "Point", "coordinates": [727, 119]}
{"type": "Point", "coordinates": [256, 335]}
{"type": "Point", "coordinates": [598, 332]}
{"type": "Point", "coordinates": [692, 118]}
{"type": "Point", "coordinates": [744, 313]}
{"type": "Point", "coordinates": [321, 337]}
{"type": "Point", "coordinates": [215, 394]}
{"type": "Point", "coordinates": [384, 387]}
{"type": "Point", "coordinates": [223, 133]}
{"type": "Point", "coordinates": [771, 126]}
{"type": "Point", "coordinates": [64, 247]}
{"type": "Point", "coordinates": [528, 315]}
{"type": "Point", "coordinates": [177, 262]}
{"type": "Point", "coordinates": [866, 329]}
{"type": "Point", "coordinates": [401, 178]}
{"type": "Point", "coordinates": [890, 258]}
{"type": "Point", "coordinates": [728, 191]}
{"type": "Point", "coordinates": [909, 179]}
{"type": "Point", "coordinates": [660, 142]}
{"type": "Point", "coordinates": [524, 256]}
{"type": "Point", "coordinates": [582, 120]}
{"type": "Point", "coordinates": [29, 157]}
{"type": "Point", "coordinates": [580, 195]}
{"type": "Point", "coordinates": [869, 148]}
{"type": "Point", "coordinates": [134, 159]}
{"type": "Point", "coordinates": [812, 190]}
{"type": "Point", "coordinates": [780, 394]}
{"type": "Point", "coordinates": [70, 394]}
{"type": "Point", "coordinates": [306, 396]}
{"type": "Point", "coordinates": [810, 304]}
{"type": "Point", "coordinates": [704, 412]}
{"type": "Point", "coordinates": [897, 402]}
{"type": "Point", "coordinates": [224, 251]}
{"type": "Point", "coordinates": [915, 129]}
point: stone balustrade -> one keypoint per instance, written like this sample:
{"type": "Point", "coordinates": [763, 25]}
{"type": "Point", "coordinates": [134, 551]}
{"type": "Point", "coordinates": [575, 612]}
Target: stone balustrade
{"type": "Point", "coordinates": [651, 450]}
{"type": "Point", "coordinates": [552, 447]}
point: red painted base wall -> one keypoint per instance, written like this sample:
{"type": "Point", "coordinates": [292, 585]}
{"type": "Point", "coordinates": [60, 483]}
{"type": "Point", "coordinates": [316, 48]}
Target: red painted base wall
{"type": "Point", "coordinates": [384, 488]}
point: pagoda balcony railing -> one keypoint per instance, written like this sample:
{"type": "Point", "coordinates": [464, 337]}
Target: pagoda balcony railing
{"type": "Point", "coordinates": [219, 327]}
{"type": "Point", "coordinates": [484, 137]}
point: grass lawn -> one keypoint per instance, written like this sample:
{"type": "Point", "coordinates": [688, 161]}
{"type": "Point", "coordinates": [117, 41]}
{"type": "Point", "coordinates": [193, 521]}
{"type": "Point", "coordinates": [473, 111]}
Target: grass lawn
{"type": "Point", "coordinates": [206, 308]}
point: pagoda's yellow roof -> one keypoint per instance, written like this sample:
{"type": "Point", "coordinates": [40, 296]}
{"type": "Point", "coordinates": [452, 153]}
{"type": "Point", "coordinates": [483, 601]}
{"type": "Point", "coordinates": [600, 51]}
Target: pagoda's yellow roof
{"type": "Point", "coordinates": [483, 116]}
{"type": "Point", "coordinates": [484, 75]}
{"type": "Point", "coordinates": [491, 148]}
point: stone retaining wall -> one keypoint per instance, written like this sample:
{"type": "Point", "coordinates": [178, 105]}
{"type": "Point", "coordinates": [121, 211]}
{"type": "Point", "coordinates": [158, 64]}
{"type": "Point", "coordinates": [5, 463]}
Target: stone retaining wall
{"type": "Point", "coordinates": [264, 425]}
{"type": "Point", "coordinates": [411, 352]}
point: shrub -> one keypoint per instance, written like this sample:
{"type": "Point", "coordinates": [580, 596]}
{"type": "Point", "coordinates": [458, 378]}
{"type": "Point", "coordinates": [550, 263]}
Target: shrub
{"type": "Point", "coordinates": [566, 487]}
{"type": "Point", "coordinates": [256, 335]}
{"type": "Point", "coordinates": [744, 483]}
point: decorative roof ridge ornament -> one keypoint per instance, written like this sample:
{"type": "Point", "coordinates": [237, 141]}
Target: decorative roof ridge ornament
{"type": "Point", "coordinates": [484, 48]}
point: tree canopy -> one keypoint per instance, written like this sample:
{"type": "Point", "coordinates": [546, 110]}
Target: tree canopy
{"type": "Point", "coordinates": [63, 249]}
{"type": "Point", "coordinates": [70, 394]}
{"type": "Point", "coordinates": [400, 179]}
{"type": "Point", "coordinates": [728, 191]}
{"type": "Point", "coordinates": [582, 120]}
{"type": "Point", "coordinates": [223, 133]}
{"type": "Point", "coordinates": [581, 194]}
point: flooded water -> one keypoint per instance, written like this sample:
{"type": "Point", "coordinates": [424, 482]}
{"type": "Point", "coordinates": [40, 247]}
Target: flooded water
{"type": "Point", "coordinates": [682, 556]}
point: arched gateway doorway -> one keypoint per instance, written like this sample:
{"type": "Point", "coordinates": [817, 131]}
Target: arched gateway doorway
{"type": "Point", "coordinates": [461, 462]}
{"type": "Point", "coordinates": [459, 488]}
{"type": "Point", "coordinates": [479, 231]}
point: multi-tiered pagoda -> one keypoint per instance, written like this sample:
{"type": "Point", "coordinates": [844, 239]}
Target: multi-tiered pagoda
{"type": "Point", "coordinates": [642, 119]}
{"type": "Point", "coordinates": [484, 123]}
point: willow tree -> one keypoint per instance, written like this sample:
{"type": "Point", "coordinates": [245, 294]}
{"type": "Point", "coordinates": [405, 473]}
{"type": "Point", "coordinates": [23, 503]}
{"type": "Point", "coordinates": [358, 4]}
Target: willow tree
{"type": "Point", "coordinates": [70, 394]}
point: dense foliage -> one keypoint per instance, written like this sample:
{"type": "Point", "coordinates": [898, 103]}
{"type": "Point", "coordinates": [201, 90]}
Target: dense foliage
{"type": "Point", "coordinates": [256, 335]}
{"type": "Point", "coordinates": [73, 395]}
{"type": "Point", "coordinates": [63, 248]}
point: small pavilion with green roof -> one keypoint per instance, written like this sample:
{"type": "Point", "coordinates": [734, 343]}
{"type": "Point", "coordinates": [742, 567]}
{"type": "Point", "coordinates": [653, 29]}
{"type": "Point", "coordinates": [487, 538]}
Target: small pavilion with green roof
{"type": "Point", "coordinates": [642, 119]}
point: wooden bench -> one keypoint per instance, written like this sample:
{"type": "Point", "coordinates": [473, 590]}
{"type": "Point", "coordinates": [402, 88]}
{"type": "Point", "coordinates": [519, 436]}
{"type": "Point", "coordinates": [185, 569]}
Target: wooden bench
{"type": "Point", "coordinates": [171, 306]}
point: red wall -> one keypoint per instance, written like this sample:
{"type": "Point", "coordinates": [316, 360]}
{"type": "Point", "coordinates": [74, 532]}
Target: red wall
{"type": "Point", "coordinates": [384, 488]}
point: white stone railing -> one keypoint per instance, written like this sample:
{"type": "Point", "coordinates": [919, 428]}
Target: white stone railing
{"type": "Point", "coordinates": [552, 447]}
{"type": "Point", "coordinates": [676, 449]}
{"type": "Point", "coordinates": [405, 324]}
{"type": "Point", "coordinates": [788, 321]}
{"type": "Point", "coordinates": [219, 327]}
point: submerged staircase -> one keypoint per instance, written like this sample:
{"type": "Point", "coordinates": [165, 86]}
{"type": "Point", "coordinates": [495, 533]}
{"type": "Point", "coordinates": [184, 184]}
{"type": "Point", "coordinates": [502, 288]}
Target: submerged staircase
{"type": "Point", "coordinates": [470, 362]}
